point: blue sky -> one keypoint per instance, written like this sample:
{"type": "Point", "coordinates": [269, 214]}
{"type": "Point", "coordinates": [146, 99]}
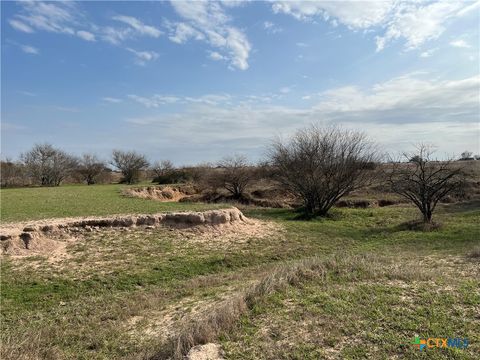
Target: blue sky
{"type": "Point", "coordinates": [195, 81]}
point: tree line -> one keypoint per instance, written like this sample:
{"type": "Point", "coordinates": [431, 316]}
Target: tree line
{"type": "Point", "coordinates": [318, 165]}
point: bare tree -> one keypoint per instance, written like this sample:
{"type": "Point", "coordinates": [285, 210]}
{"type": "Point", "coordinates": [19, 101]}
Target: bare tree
{"type": "Point", "coordinates": [47, 165]}
{"type": "Point", "coordinates": [424, 181]}
{"type": "Point", "coordinates": [11, 173]}
{"type": "Point", "coordinates": [162, 170]}
{"type": "Point", "coordinates": [321, 165]}
{"type": "Point", "coordinates": [90, 167]}
{"type": "Point", "coordinates": [234, 174]}
{"type": "Point", "coordinates": [130, 163]}
{"type": "Point", "coordinates": [467, 155]}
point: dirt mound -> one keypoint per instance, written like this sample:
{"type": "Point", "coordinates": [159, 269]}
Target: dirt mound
{"type": "Point", "coordinates": [248, 199]}
{"type": "Point", "coordinates": [46, 236]}
{"type": "Point", "coordinates": [20, 241]}
{"type": "Point", "coordinates": [31, 244]}
{"type": "Point", "coordinates": [161, 193]}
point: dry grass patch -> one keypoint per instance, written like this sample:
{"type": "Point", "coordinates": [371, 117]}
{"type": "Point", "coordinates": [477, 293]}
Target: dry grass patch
{"type": "Point", "coordinates": [223, 317]}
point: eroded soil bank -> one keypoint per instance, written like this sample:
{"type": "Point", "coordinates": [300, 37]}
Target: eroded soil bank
{"type": "Point", "coordinates": [47, 237]}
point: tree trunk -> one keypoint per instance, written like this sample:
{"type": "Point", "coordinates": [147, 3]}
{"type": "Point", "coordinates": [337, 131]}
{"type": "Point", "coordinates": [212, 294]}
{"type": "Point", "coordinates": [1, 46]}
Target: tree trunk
{"type": "Point", "coordinates": [427, 217]}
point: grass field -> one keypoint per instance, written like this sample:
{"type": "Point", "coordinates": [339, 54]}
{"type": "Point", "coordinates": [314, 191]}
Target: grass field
{"type": "Point", "coordinates": [19, 204]}
{"type": "Point", "coordinates": [120, 295]}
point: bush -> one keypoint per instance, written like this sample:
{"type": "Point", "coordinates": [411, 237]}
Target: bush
{"type": "Point", "coordinates": [48, 166]}
{"type": "Point", "coordinates": [130, 164]}
{"type": "Point", "coordinates": [322, 165]}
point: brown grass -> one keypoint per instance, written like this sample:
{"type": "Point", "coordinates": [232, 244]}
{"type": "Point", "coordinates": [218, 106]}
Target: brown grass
{"type": "Point", "coordinates": [208, 327]}
{"type": "Point", "coordinates": [474, 254]}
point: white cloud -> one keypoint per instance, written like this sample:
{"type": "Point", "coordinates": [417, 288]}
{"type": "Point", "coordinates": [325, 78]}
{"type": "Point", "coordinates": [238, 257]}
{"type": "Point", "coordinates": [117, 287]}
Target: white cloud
{"type": "Point", "coordinates": [404, 99]}
{"type": "Point", "coordinates": [207, 21]}
{"type": "Point", "coordinates": [138, 26]}
{"type": "Point", "coordinates": [182, 32]}
{"type": "Point", "coordinates": [66, 17]}
{"type": "Point", "coordinates": [271, 27]}
{"type": "Point", "coordinates": [416, 22]}
{"type": "Point", "coordinates": [112, 100]}
{"type": "Point", "coordinates": [397, 112]}
{"type": "Point", "coordinates": [155, 100]}
{"type": "Point", "coordinates": [302, 44]}
{"type": "Point", "coordinates": [85, 35]}
{"type": "Point", "coordinates": [216, 56]}
{"type": "Point", "coordinates": [20, 26]}
{"type": "Point", "coordinates": [29, 49]}
{"type": "Point", "coordinates": [427, 53]}
{"type": "Point", "coordinates": [355, 14]}
{"type": "Point", "coordinates": [209, 99]}
{"type": "Point", "coordinates": [115, 36]}
{"type": "Point", "coordinates": [58, 17]}
{"type": "Point", "coordinates": [460, 44]}
{"type": "Point", "coordinates": [285, 90]}
{"type": "Point", "coordinates": [142, 57]}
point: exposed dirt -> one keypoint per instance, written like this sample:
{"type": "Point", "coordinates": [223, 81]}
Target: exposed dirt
{"type": "Point", "coordinates": [208, 351]}
{"type": "Point", "coordinates": [268, 197]}
{"type": "Point", "coordinates": [36, 243]}
{"type": "Point", "coordinates": [161, 193]}
{"type": "Point", "coordinates": [50, 237]}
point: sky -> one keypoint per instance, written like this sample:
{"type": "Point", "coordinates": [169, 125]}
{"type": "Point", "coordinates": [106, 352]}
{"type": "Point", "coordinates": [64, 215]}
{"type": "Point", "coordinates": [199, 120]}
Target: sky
{"type": "Point", "coordinates": [196, 81]}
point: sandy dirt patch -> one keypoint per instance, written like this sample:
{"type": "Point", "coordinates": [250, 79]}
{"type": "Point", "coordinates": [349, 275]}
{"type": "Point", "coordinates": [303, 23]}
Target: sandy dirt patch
{"type": "Point", "coordinates": [50, 237]}
{"type": "Point", "coordinates": [161, 193]}
{"type": "Point", "coordinates": [208, 351]}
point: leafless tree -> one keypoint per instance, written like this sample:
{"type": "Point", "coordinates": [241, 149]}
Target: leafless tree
{"type": "Point", "coordinates": [90, 167]}
{"type": "Point", "coordinates": [162, 169]}
{"type": "Point", "coordinates": [321, 165]}
{"type": "Point", "coordinates": [466, 155]}
{"type": "Point", "coordinates": [47, 165]}
{"type": "Point", "coordinates": [130, 163]}
{"type": "Point", "coordinates": [424, 181]}
{"type": "Point", "coordinates": [11, 173]}
{"type": "Point", "coordinates": [234, 174]}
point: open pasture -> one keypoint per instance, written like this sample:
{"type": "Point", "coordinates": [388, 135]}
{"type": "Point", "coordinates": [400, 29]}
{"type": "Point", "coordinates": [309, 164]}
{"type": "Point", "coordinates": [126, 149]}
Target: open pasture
{"type": "Point", "coordinates": [358, 284]}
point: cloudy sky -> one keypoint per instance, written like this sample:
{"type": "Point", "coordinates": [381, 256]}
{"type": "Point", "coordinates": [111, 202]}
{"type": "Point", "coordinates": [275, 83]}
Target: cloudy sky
{"type": "Point", "coordinates": [194, 81]}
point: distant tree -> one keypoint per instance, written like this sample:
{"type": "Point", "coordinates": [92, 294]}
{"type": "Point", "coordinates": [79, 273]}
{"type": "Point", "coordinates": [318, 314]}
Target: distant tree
{"type": "Point", "coordinates": [425, 181]}
{"type": "Point", "coordinates": [47, 165]}
{"type": "Point", "coordinates": [466, 155]}
{"type": "Point", "coordinates": [90, 168]}
{"type": "Point", "coordinates": [235, 174]}
{"type": "Point", "coordinates": [162, 170]}
{"type": "Point", "coordinates": [11, 173]}
{"type": "Point", "coordinates": [130, 164]}
{"type": "Point", "coordinates": [321, 165]}
{"type": "Point", "coordinates": [415, 159]}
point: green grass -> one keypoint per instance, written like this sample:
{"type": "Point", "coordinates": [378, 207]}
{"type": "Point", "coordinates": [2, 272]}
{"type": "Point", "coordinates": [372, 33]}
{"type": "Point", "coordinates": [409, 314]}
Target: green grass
{"type": "Point", "coordinates": [359, 316]}
{"type": "Point", "coordinates": [20, 204]}
{"type": "Point", "coordinates": [83, 306]}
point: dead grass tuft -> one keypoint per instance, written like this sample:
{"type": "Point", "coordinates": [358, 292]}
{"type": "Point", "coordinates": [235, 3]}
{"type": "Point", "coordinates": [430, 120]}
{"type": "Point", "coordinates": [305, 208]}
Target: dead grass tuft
{"type": "Point", "coordinates": [474, 253]}
{"type": "Point", "coordinates": [207, 328]}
